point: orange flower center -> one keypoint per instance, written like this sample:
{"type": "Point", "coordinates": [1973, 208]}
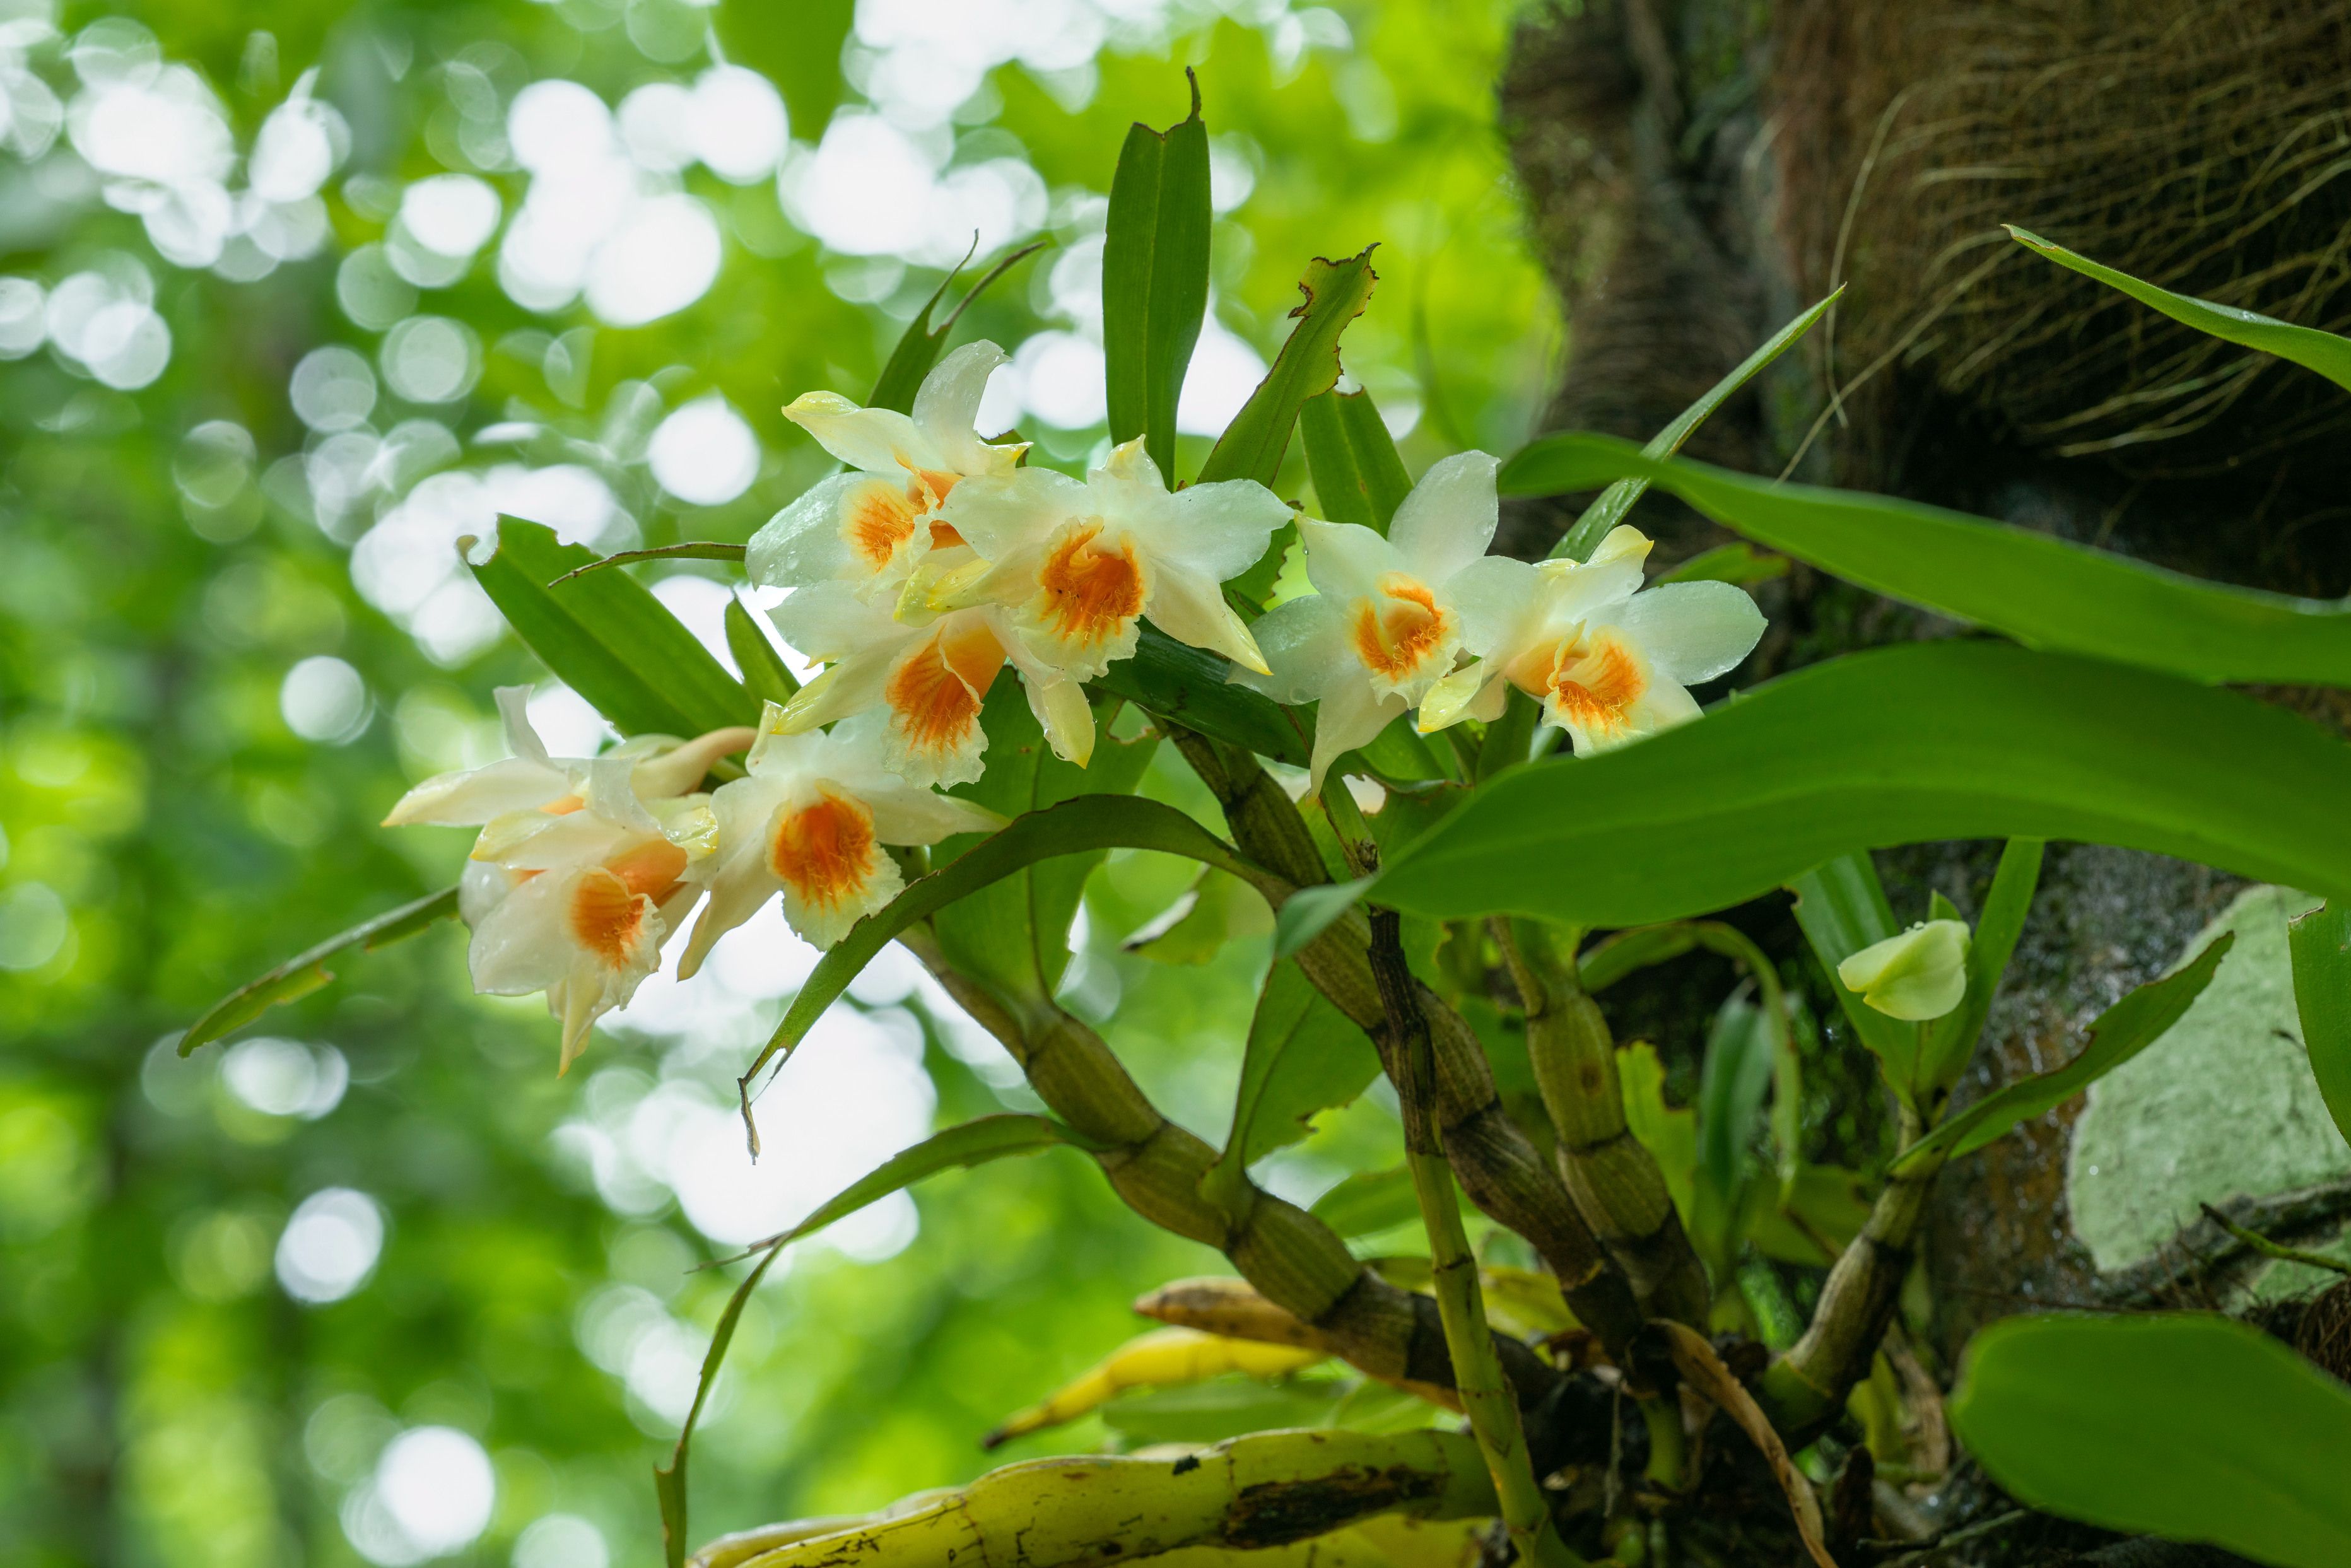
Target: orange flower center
{"type": "Point", "coordinates": [1596, 692]}
{"type": "Point", "coordinates": [879, 516]}
{"type": "Point", "coordinates": [936, 686]}
{"type": "Point", "coordinates": [824, 852]}
{"type": "Point", "coordinates": [607, 917]}
{"type": "Point", "coordinates": [1090, 593]}
{"type": "Point", "coordinates": [1396, 633]}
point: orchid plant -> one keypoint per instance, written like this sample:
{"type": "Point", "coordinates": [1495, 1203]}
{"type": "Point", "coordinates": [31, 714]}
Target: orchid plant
{"type": "Point", "coordinates": [1505, 796]}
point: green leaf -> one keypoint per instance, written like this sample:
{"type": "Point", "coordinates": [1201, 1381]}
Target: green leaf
{"type": "Point", "coordinates": [696, 549]}
{"type": "Point", "coordinates": [607, 637]}
{"type": "Point", "coordinates": [1156, 279]}
{"type": "Point", "coordinates": [1822, 1204]}
{"type": "Point", "coordinates": [1192, 687]}
{"type": "Point", "coordinates": [1842, 907]}
{"type": "Point", "coordinates": [1013, 936]}
{"type": "Point", "coordinates": [1304, 1056]}
{"type": "Point", "coordinates": [1307, 912]}
{"type": "Point", "coordinates": [2119, 1033]}
{"type": "Point", "coordinates": [1307, 367]}
{"type": "Point", "coordinates": [1223, 1407]}
{"type": "Point", "coordinates": [1737, 562]}
{"type": "Point", "coordinates": [1951, 1038]}
{"type": "Point", "coordinates": [1075, 827]}
{"type": "Point", "coordinates": [306, 972]}
{"type": "Point", "coordinates": [2044, 591]}
{"type": "Point", "coordinates": [1526, 473]}
{"type": "Point", "coordinates": [1670, 1134]}
{"type": "Point", "coordinates": [2188, 1426]}
{"type": "Point", "coordinates": [765, 674]}
{"type": "Point", "coordinates": [1738, 1070]}
{"type": "Point", "coordinates": [1358, 478]}
{"type": "Point", "coordinates": [918, 347]}
{"type": "Point", "coordinates": [1927, 741]}
{"type": "Point", "coordinates": [2319, 942]}
{"type": "Point", "coordinates": [1215, 909]}
{"type": "Point", "coordinates": [2324, 353]}
{"type": "Point", "coordinates": [972, 1144]}
{"type": "Point", "coordinates": [1369, 1202]}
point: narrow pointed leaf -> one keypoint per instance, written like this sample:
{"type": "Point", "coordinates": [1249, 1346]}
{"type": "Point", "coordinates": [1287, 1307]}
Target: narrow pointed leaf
{"type": "Point", "coordinates": [2319, 942]}
{"type": "Point", "coordinates": [1079, 826]}
{"type": "Point", "coordinates": [972, 1144]}
{"type": "Point", "coordinates": [2188, 1426]}
{"type": "Point", "coordinates": [1736, 562]}
{"type": "Point", "coordinates": [1358, 477]}
{"type": "Point", "coordinates": [1528, 472]}
{"type": "Point", "coordinates": [306, 972]}
{"type": "Point", "coordinates": [1923, 742]}
{"type": "Point", "coordinates": [2119, 1033]}
{"type": "Point", "coordinates": [1951, 1038]}
{"type": "Point", "coordinates": [694, 549]}
{"type": "Point", "coordinates": [1155, 279]}
{"type": "Point", "coordinates": [765, 674]}
{"type": "Point", "coordinates": [1307, 367]}
{"type": "Point", "coordinates": [2044, 591]}
{"type": "Point", "coordinates": [918, 347]}
{"type": "Point", "coordinates": [2324, 353]}
{"type": "Point", "coordinates": [1304, 1056]}
{"type": "Point", "coordinates": [1369, 1202]}
{"type": "Point", "coordinates": [1841, 907]}
{"type": "Point", "coordinates": [1310, 912]}
{"type": "Point", "coordinates": [1193, 688]}
{"type": "Point", "coordinates": [607, 637]}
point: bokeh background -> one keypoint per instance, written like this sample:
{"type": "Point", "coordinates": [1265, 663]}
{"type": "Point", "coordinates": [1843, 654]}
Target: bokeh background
{"type": "Point", "coordinates": [296, 297]}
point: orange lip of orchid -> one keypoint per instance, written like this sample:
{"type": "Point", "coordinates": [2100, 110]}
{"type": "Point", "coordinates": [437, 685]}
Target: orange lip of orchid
{"type": "Point", "coordinates": [1596, 692]}
{"type": "Point", "coordinates": [824, 852]}
{"type": "Point", "coordinates": [1088, 593]}
{"type": "Point", "coordinates": [606, 917]}
{"type": "Point", "coordinates": [1395, 634]}
{"type": "Point", "coordinates": [936, 689]}
{"type": "Point", "coordinates": [880, 518]}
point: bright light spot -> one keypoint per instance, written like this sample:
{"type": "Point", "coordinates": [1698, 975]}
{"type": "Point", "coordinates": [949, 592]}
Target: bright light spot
{"type": "Point", "coordinates": [370, 293]}
{"type": "Point", "coordinates": [661, 260]}
{"type": "Point", "coordinates": [452, 214]}
{"type": "Point", "coordinates": [456, 623]}
{"type": "Point", "coordinates": [324, 700]}
{"type": "Point", "coordinates": [298, 146]}
{"type": "Point", "coordinates": [1223, 373]}
{"type": "Point", "coordinates": [1061, 379]}
{"type": "Point", "coordinates": [432, 1494]}
{"type": "Point", "coordinates": [705, 454]}
{"type": "Point", "coordinates": [737, 123]}
{"type": "Point", "coordinates": [656, 126]}
{"type": "Point", "coordinates": [214, 463]}
{"type": "Point", "coordinates": [332, 389]}
{"type": "Point", "coordinates": [863, 190]}
{"type": "Point", "coordinates": [33, 925]}
{"type": "Point", "coordinates": [561, 1541]}
{"type": "Point", "coordinates": [331, 1246]}
{"type": "Point", "coordinates": [105, 319]}
{"type": "Point", "coordinates": [22, 320]}
{"type": "Point", "coordinates": [556, 124]}
{"type": "Point", "coordinates": [167, 130]}
{"type": "Point", "coordinates": [432, 358]}
{"type": "Point", "coordinates": [568, 722]}
{"type": "Point", "coordinates": [701, 604]}
{"type": "Point", "coordinates": [285, 1077]}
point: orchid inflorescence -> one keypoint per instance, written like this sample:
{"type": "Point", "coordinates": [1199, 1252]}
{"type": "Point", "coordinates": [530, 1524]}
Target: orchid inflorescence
{"type": "Point", "coordinates": [939, 558]}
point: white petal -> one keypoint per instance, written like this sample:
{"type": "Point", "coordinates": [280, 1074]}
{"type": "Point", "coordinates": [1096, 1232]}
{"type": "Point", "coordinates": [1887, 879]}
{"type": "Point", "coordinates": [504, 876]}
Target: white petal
{"type": "Point", "coordinates": [1304, 642]}
{"type": "Point", "coordinates": [471, 797]}
{"type": "Point", "coordinates": [482, 886]}
{"type": "Point", "coordinates": [1191, 607]}
{"type": "Point", "coordinates": [878, 440]}
{"type": "Point", "coordinates": [1350, 714]}
{"type": "Point", "coordinates": [905, 815]}
{"type": "Point", "coordinates": [1346, 560]}
{"type": "Point", "coordinates": [1449, 520]}
{"type": "Point", "coordinates": [1456, 697]}
{"type": "Point", "coordinates": [1497, 598]}
{"type": "Point", "coordinates": [514, 711]}
{"type": "Point", "coordinates": [1575, 591]}
{"type": "Point", "coordinates": [681, 768]}
{"type": "Point", "coordinates": [854, 685]}
{"type": "Point", "coordinates": [947, 405]}
{"type": "Point", "coordinates": [741, 890]}
{"type": "Point", "coordinates": [829, 622]}
{"type": "Point", "coordinates": [803, 543]}
{"type": "Point", "coordinates": [1220, 529]}
{"type": "Point", "coordinates": [522, 945]}
{"type": "Point", "coordinates": [611, 794]}
{"type": "Point", "coordinates": [998, 514]}
{"type": "Point", "coordinates": [1058, 703]}
{"type": "Point", "coordinates": [1693, 631]}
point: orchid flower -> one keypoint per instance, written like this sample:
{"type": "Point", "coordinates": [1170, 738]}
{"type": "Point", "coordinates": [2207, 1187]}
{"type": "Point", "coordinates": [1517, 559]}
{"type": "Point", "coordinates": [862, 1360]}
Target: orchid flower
{"type": "Point", "coordinates": [1080, 565]}
{"type": "Point", "coordinates": [873, 525]}
{"type": "Point", "coordinates": [930, 668]}
{"type": "Point", "coordinates": [1382, 627]}
{"type": "Point", "coordinates": [1919, 974]}
{"type": "Point", "coordinates": [582, 865]}
{"type": "Point", "coordinates": [810, 820]}
{"type": "Point", "coordinates": [1609, 661]}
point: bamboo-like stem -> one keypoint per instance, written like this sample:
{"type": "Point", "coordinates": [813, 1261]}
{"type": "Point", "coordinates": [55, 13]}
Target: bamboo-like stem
{"type": "Point", "coordinates": [1248, 1494]}
{"type": "Point", "coordinates": [1500, 1170]}
{"type": "Point", "coordinates": [1803, 1390]}
{"type": "Point", "coordinates": [1292, 1258]}
{"type": "Point", "coordinates": [1613, 1176]}
{"type": "Point", "coordinates": [1486, 1394]}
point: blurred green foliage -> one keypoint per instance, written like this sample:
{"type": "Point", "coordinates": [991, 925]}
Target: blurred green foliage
{"type": "Point", "coordinates": [207, 699]}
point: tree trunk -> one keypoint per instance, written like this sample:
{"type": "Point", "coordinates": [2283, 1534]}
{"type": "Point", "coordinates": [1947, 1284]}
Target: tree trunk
{"type": "Point", "coordinates": [1699, 170]}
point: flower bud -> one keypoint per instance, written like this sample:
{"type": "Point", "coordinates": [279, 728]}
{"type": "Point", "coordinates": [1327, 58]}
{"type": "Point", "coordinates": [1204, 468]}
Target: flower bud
{"type": "Point", "coordinates": [1916, 976]}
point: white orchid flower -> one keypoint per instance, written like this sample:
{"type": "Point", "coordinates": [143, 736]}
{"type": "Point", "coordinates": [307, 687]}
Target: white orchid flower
{"type": "Point", "coordinates": [1609, 661]}
{"type": "Point", "coordinates": [1080, 565]}
{"type": "Point", "coordinates": [583, 866]}
{"type": "Point", "coordinates": [1383, 626]}
{"type": "Point", "coordinates": [931, 670]}
{"type": "Point", "coordinates": [874, 525]}
{"type": "Point", "coordinates": [1917, 975]}
{"type": "Point", "coordinates": [809, 820]}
